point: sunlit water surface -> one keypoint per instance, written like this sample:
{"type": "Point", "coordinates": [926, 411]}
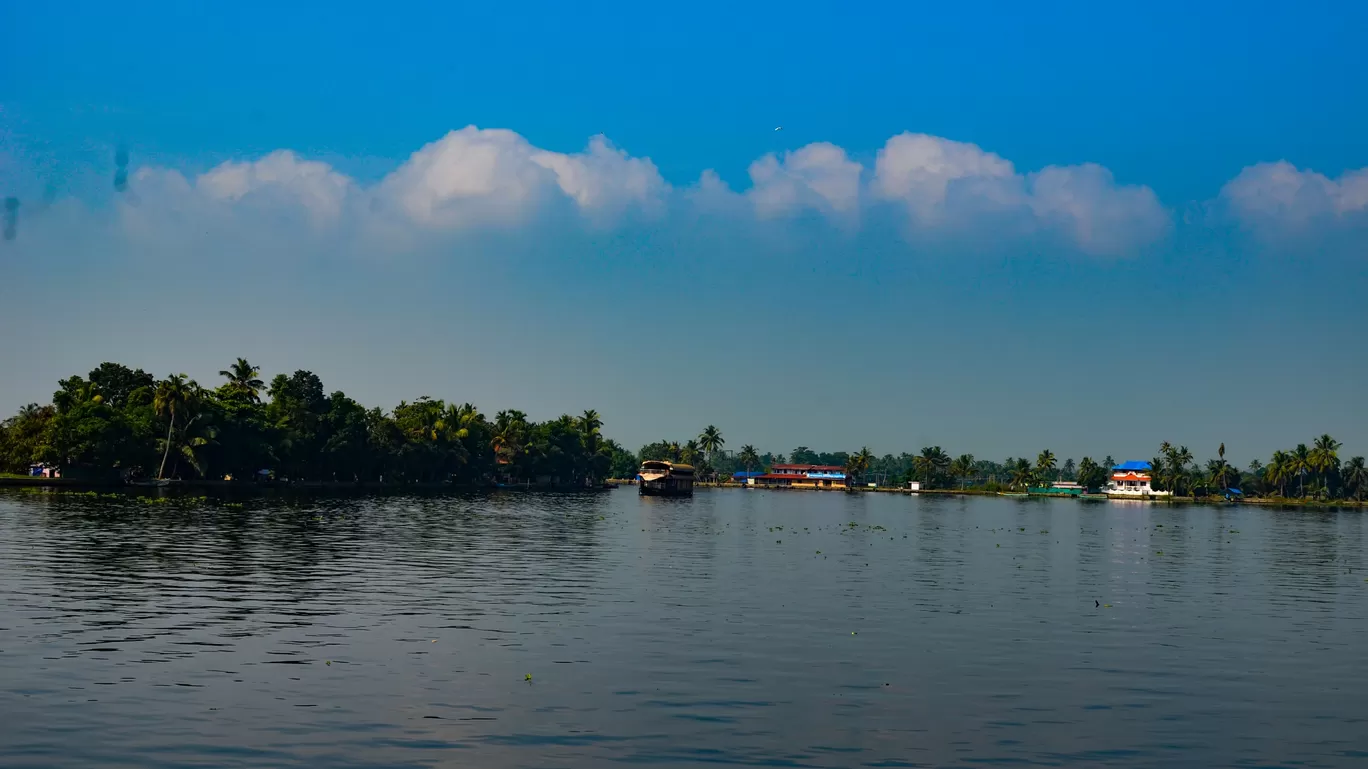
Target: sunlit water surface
{"type": "Point", "coordinates": [739, 627]}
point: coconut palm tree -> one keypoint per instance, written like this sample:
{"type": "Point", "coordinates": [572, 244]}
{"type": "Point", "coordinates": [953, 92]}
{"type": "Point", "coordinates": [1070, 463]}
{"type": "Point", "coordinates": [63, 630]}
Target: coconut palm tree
{"type": "Point", "coordinates": [963, 468]}
{"type": "Point", "coordinates": [1090, 474]}
{"type": "Point", "coordinates": [1300, 466]}
{"type": "Point", "coordinates": [242, 380]}
{"type": "Point", "coordinates": [857, 465]}
{"type": "Point", "coordinates": [172, 397]}
{"type": "Point", "coordinates": [1355, 477]}
{"type": "Point", "coordinates": [1021, 472]}
{"type": "Point", "coordinates": [932, 464]}
{"type": "Point", "coordinates": [1278, 470]}
{"type": "Point", "coordinates": [748, 457]}
{"type": "Point", "coordinates": [1324, 457]}
{"type": "Point", "coordinates": [1159, 474]}
{"type": "Point", "coordinates": [690, 452]}
{"type": "Point", "coordinates": [711, 440]}
{"type": "Point", "coordinates": [1045, 465]}
{"type": "Point", "coordinates": [590, 429]}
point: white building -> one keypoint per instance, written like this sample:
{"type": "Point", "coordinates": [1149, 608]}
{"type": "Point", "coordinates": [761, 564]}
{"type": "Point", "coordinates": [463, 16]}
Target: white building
{"type": "Point", "coordinates": [1131, 480]}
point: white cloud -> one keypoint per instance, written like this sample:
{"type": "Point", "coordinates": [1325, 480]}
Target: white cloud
{"type": "Point", "coordinates": [818, 176]}
{"type": "Point", "coordinates": [478, 180]}
{"type": "Point", "coordinates": [918, 171]}
{"type": "Point", "coordinates": [475, 175]}
{"type": "Point", "coordinates": [1099, 216]}
{"type": "Point", "coordinates": [948, 185]}
{"type": "Point", "coordinates": [1280, 199]}
{"type": "Point", "coordinates": [280, 177]}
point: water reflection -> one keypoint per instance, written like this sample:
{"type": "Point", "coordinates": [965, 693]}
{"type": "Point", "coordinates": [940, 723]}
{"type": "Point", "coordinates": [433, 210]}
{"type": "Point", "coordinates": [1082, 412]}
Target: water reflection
{"type": "Point", "coordinates": [770, 628]}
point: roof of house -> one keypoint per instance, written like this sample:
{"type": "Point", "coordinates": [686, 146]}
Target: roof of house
{"type": "Point", "coordinates": [811, 468]}
{"type": "Point", "coordinates": [1132, 465]}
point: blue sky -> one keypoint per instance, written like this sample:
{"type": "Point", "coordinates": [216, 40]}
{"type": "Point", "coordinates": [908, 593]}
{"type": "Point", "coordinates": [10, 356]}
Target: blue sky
{"type": "Point", "coordinates": [992, 226]}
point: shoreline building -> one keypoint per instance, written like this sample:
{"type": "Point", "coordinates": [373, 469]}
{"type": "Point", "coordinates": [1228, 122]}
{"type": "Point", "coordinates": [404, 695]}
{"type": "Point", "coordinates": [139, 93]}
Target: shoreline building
{"type": "Point", "coordinates": [1131, 480]}
{"type": "Point", "coordinates": [803, 477]}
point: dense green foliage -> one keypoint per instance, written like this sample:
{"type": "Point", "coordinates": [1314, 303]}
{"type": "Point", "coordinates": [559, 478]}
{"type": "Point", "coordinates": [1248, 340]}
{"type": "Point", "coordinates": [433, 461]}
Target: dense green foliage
{"type": "Point", "coordinates": [120, 421]}
{"type": "Point", "coordinates": [1308, 472]}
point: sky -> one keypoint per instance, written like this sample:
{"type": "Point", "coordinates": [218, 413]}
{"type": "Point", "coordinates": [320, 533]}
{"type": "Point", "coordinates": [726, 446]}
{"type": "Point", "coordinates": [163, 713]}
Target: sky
{"type": "Point", "coordinates": [993, 227]}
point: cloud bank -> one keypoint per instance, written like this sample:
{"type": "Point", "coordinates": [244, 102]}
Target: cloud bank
{"type": "Point", "coordinates": [933, 191]}
{"type": "Point", "coordinates": [1280, 200]}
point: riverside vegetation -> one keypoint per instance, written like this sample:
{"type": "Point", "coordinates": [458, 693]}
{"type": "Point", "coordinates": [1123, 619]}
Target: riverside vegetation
{"type": "Point", "coordinates": [122, 422]}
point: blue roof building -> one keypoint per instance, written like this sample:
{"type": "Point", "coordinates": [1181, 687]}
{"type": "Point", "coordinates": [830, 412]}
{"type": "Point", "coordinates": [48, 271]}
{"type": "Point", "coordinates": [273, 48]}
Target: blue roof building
{"type": "Point", "coordinates": [1139, 466]}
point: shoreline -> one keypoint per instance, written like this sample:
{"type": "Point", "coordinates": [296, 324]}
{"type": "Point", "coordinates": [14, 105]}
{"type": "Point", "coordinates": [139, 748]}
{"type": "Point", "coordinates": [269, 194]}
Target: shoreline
{"type": "Point", "coordinates": [74, 485]}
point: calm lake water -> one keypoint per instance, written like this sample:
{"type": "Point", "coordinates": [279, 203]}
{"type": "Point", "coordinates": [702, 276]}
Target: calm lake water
{"type": "Point", "coordinates": [751, 628]}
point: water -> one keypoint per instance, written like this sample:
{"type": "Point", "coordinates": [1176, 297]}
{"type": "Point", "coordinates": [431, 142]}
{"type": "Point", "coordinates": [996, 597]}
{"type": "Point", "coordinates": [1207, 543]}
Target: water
{"type": "Point", "coordinates": [870, 630]}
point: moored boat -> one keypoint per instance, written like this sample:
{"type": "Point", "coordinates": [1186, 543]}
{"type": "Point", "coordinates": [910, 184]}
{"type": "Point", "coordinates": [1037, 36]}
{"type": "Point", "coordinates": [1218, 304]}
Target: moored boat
{"type": "Point", "coordinates": [658, 478]}
{"type": "Point", "coordinates": [1058, 489]}
{"type": "Point", "coordinates": [1013, 494]}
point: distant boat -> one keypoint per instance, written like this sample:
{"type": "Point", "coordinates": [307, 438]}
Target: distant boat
{"type": "Point", "coordinates": [658, 478]}
{"type": "Point", "coordinates": [152, 482]}
{"type": "Point", "coordinates": [1013, 494]}
{"type": "Point", "coordinates": [1058, 489]}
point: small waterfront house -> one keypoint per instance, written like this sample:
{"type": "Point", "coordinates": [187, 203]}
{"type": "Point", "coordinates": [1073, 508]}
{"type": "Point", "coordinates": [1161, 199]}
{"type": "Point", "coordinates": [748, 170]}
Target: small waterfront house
{"type": "Point", "coordinates": [746, 478]}
{"type": "Point", "coordinates": [1132, 479]}
{"type": "Point", "coordinates": [914, 485]}
{"type": "Point", "coordinates": [803, 477]}
{"type": "Point", "coordinates": [44, 470]}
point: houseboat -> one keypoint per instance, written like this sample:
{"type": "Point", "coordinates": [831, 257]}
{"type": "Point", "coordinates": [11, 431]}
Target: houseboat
{"type": "Point", "coordinates": [1058, 489]}
{"type": "Point", "coordinates": [658, 478]}
{"type": "Point", "coordinates": [1131, 480]}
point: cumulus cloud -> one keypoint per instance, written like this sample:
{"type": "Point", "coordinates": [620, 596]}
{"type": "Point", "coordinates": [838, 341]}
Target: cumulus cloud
{"type": "Point", "coordinates": [944, 185]}
{"type": "Point", "coordinates": [475, 175]}
{"type": "Point", "coordinates": [280, 176]}
{"type": "Point", "coordinates": [818, 176]}
{"type": "Point", "coordinates": [1279, 199]}
{"type": "Point", "coordinates": [475, 180]}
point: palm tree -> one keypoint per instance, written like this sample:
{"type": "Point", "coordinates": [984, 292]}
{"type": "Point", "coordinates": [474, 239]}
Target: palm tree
{"type": "Point", "coordinates": [857, 465]}
{"type": "Point", "coordinates": [1045, 465]}
{"type": "Point", "coordinates": [1355, 477]}
{"type": "Point", "coordinates": [1218, 473]}
{"type": "Point", "coordinates": [932, 464]}
{"type": "Point", "coordinates": [690, 452]}
{"type": "Point", "coordinates": [1324, 457]}
{"type": "Point", "coordinates": [962, 467]}
{"type": "Point", "coordinates": [1300, 465]}
{"type": "Point", "coordinates": [1070, 470]}
{"type": "Point", "coordinates": [1090, 475]}
{"type": "Point", "coordinates": [1021, 472]}
{"type": "Point", "coordinates": [242, 379]}
{"type": "Point", "coordinates": [1159, 474]}
{"type": "Point", "coordinates": [510, 434]}
{"type": "Point", "coordinates": [711, 440]}
{"type": "Point", "coordinates": [172, 397]}
{"type": "Point", "coordinates": [748, 458]}
{"type": "Point", "coordinates": [590, 425]}
{"type": "Point", "coordinates": [1279, 469]}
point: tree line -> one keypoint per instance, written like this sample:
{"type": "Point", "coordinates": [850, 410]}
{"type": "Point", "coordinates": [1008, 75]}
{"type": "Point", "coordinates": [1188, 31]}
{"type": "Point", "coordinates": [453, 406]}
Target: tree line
{"type": "Point", "coordinates": [1315, 471]}
{"type": "Point", "coordinates": [122, 421]}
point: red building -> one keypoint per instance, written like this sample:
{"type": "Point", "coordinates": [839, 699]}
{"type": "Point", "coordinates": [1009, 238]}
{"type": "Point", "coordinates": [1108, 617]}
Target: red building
{"type": "Point", "coordinates": [803, 477]}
